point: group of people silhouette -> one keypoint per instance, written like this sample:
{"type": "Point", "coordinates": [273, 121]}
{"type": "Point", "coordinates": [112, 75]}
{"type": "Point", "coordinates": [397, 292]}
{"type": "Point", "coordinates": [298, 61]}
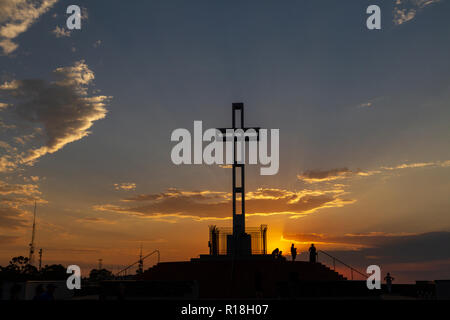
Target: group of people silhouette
{"type": "Point", "coordinates": [277, 253]}
{"type": "Point", "coordinates": [313, 259]}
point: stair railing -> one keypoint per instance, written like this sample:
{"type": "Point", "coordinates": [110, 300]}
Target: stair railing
{"type": "Point", "coordinates": [124, 271]}
{"type": "Point", "coordinates": [343, 263]}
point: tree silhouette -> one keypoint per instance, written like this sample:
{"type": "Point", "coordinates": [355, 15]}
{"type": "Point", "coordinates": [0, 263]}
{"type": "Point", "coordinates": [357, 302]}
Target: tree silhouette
{"type": "Point", "coordinates": [100, 275]}
{"type": "Point", "coordinates": [19, 269]}
{"type": "Point", "coordinates": [54, 272]}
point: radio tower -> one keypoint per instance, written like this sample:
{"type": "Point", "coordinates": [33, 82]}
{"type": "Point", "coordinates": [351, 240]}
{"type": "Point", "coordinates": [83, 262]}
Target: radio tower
{"type": "Point", "coordinates": [40, 259]}
{"type": "Point", "coordinates": [31, 254]}
{"type": "Point", "coordinates": [141, 263]}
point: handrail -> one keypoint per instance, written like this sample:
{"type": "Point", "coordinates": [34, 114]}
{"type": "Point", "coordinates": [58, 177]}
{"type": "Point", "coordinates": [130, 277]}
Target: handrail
{"type": "Point", "coordinates": [143, 258]}
{"type": "Point", "coordinates": [340, 261]}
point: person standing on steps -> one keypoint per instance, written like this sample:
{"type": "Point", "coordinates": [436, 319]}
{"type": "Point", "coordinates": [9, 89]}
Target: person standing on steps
{"type": "Point", "coordinates": [389, 280]}
{"type": "Point", "coordinates": [312, 254]}
{"type": "Point", "coordinates": [293, 252]}
{"type": "Point", "coordinates": [275, 253]}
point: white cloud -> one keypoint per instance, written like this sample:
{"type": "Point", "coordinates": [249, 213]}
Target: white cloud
{"type": "Point", "coordinates": [16, 16]}
{"type": "Point", "coordinates": [316, 176]}
{"type": "Point", "coordinates": [365, 105]}
{"type": "Point", "coordinates": [126, 186]}
{"type": "Point", "coordinates": [97, 43]}
{"type": "Point", "coordinates": [406, 10]}
{"type": "Point", "coordinates": [61, 32]}
{"type": "Point", "coordinates": [61, 111]}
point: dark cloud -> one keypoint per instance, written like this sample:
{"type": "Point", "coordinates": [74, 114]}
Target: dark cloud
{"type": "Point", "coordinates": [312, 176]}
{"type": "Point", "coordinates": [95, 220]}
{"type": "Point", "coordinates": [175, 193]}
{"type": "Point", "coordinates": [324, 174]}
{"type": "Point", "coordinates": [412, 248]}
{"type": "Point", "coordinates": [373, 239]}
{"type": "Point", "coordinates": [18, 189]}
{"type": "Point", "coordinates": [71, 250]}
{"type": "Point", "coordinates": [413, 256]}
{"type": "Point", "coordinates": [11, 218]}
{"type": "Point", "coordinates": [13, 199]}
{"type": "Point", "coordinates": [305, 237]}
{"type": "Point", "coordinates": [210, 204]}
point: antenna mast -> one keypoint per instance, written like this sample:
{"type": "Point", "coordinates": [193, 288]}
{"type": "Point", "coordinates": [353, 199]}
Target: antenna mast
{"type": "Point", "coordinates": [31, 254]}
{"type": "Point", "coordinates": [40, 259]}
{"type": "Point", "coordinates": [141, 263]}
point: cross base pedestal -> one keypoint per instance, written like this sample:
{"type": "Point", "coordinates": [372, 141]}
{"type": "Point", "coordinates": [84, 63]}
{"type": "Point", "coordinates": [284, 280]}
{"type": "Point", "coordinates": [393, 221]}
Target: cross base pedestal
{"type": "Point", "coordinates": [239, 245]}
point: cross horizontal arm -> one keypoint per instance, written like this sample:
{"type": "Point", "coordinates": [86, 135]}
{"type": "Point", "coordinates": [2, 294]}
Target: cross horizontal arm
{"type": "Point", "coordinates": [224, 132]}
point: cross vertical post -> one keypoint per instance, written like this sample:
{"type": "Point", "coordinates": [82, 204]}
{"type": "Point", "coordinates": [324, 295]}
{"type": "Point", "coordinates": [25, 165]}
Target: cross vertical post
{"type": "Point", "coordinates": [239, 243]}
{"type": "Point", "coordinates": [238, 218]}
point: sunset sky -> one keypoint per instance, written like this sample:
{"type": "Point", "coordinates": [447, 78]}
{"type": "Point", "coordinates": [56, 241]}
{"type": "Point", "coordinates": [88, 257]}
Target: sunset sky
{"type": "Point", "coordinates": [86, 118]}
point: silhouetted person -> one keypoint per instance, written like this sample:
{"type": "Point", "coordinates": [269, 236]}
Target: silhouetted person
{"type": "Point", "coordinates": [280, 255]}
{"type": "Point", "coordinates": [312, 254]}
{"type": "Point", "coordinates": [389, 280]}
{"type": "Point", "coordinates": [275, 253]}
{"type": "Point", "coordinates": [293, 252]}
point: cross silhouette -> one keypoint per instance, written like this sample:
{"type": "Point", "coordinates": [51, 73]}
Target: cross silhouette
{"type": "Point", "coordinates": [240, 242]}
